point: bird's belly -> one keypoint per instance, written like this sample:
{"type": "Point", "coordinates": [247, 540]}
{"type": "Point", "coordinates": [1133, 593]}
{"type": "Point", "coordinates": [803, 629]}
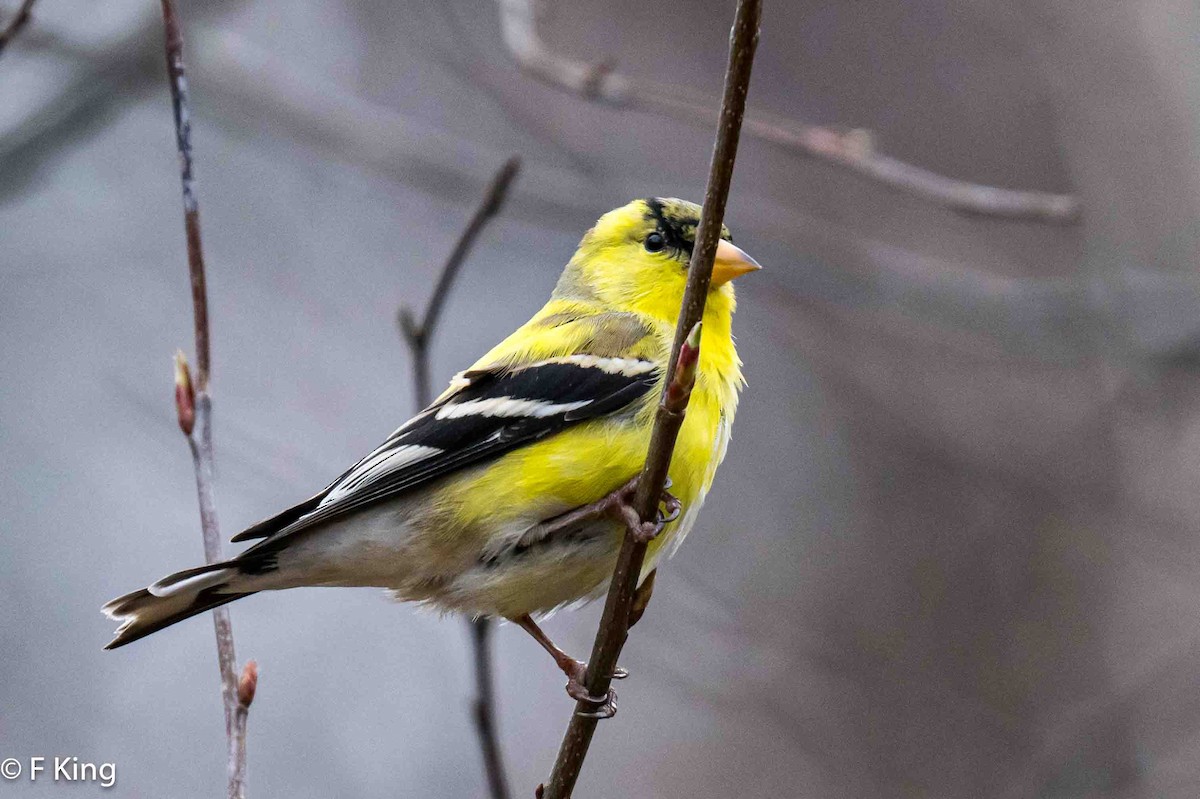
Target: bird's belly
{"type": "Point", "coordinates": [470, 558]}
{"type": "Point", "coordinates": [557, 571]}
{"type": "Point", "coordinates": [388, 548]}
{"type": "Point", "coordinates": [570, 566]}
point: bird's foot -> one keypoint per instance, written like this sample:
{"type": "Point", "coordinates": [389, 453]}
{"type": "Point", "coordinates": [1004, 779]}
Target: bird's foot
{"type": "Point", "coordinates": [621, 506]}
{"type": "Point", "coordinates": [605, 707]}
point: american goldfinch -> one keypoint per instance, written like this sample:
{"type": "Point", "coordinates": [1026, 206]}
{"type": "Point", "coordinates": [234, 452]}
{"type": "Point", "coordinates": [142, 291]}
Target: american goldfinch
{"type": "Point", "coordinates": [452, 509]}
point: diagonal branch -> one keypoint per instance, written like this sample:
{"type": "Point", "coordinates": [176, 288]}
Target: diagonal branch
{"type": "Point", "coordinates": [194, 408]}
{"type": "Point", "coordinates": [24, 14]}
{"type": "Point", "coordinates": [851, 149]}
{"type": "Point", "coordinates": [614, 623]}
{"type": "Point", "coordinates": [418, 334]}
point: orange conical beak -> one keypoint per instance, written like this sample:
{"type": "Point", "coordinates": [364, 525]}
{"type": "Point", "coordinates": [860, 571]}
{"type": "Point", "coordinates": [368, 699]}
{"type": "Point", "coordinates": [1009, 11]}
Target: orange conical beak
{"type": "Point", "coordinates": [731, 262]}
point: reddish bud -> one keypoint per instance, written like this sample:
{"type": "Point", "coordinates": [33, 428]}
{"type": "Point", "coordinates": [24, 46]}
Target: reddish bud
{"type": "Point", "coordinates": [185, 395]}
{"type": "Point", "coordinates": [248, 684]}
{"type": "Point", "coordinates": [685, 371]}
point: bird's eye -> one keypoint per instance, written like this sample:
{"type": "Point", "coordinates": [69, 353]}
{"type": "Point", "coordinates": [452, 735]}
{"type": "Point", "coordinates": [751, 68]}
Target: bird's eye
{"type": "Point", "coordinates": [655, 242]}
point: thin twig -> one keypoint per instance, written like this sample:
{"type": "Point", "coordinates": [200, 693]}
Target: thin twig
{"type": "Point", "coordinates": [24, 14]}
{"type": "Point", "coordinates": [417, 333]}
{"type": "Point", "coordinates": [852, 149]}
{"type": "Point", "coordinates": [247, 687]}
{"type": "Point", "coordinates": [614, 623]}
{"type": "Point", "coordinates": [199, 416]}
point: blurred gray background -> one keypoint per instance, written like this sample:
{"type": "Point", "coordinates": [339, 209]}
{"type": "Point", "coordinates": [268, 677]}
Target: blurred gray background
{"type": "Point", "coordinates": [953, 551]}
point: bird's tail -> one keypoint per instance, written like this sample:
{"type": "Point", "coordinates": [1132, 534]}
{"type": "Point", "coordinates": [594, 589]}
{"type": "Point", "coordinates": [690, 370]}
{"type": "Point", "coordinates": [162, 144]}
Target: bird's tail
{"type": "Point", "coordinates": [174, 598]}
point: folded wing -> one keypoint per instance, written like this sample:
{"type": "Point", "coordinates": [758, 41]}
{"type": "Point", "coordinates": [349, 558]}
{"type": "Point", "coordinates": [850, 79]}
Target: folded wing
{"type": "Point", "coordinates": [486, 414]}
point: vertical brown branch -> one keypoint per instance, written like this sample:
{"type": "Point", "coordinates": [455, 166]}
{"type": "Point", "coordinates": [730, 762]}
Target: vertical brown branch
{"type": "Point", "coordinates": [614, 624]}
{"type": "Point", "coordinates": [417, 334]}
{"type": "Point", "coordinates": [200, 418]}
{"type": "Point", "coordinates": [14, 26]}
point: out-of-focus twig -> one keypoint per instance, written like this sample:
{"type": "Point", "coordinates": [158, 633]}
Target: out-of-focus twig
{"type": "Point", "coordinates": [618, 606]}
{"type": "Point", "coordinates": [1148, 314]}
{"type": "Point", "coordinates": [24, 14]}
{"type": "Point", "coordinates": [483, 708]}
{"type": "Point", "coordinates": [852, 149]}
{"type": "Point", "coordinates": [418, 332]}
{"type": "Point", "coordinates": [194, 407]}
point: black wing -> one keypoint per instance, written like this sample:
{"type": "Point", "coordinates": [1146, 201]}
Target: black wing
{"type": "Point", "coordinates": [493, 412]}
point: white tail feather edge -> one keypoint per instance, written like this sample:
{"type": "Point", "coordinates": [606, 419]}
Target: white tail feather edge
{"type": "Point", "coordinates": [172, 584]}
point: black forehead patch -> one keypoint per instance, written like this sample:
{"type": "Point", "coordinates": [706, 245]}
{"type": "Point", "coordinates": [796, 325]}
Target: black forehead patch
{"type": "Point", "coordinates": [679, 228]}
{"type": "Point", "coordinates": [680, 231]}
{"type": "Point", "coordinates": [658, 211]}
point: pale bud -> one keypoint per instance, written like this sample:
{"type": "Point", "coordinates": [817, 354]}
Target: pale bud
{"type": "Point", "coordinates": [248, 684]}
{"type": "Point", "coordinates": [185, 395]}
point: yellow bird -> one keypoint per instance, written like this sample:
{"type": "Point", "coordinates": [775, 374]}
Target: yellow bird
{"type": "Point", "coordinates": [452, 509]}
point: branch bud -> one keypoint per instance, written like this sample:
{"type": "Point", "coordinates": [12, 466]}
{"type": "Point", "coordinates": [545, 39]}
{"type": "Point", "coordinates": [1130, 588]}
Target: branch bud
{"type": "Point", "coordinates": [185, 395]}
{"type": "Point", "coordinates": [248, 684]}
{"type": "Point", "coordinates": [685, 371]}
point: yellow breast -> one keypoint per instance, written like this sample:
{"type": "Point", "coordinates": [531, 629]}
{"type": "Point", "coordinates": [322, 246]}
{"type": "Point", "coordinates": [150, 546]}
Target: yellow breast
{"type": "Point", "coordinates": [489, 508]}
{"type": "Point", "coordinates": [703, 439]}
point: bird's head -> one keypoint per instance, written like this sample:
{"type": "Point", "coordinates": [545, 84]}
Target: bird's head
{"type": "Point", "coordinates": [636, 258]}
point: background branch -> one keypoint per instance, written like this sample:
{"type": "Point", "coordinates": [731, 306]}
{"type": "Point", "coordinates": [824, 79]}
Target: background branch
{"type": "Point", "coordinates": [418, 334]}
{"type": "Point", "coordinates": [614, 623]}
{"type": "Point", "coordinates": [14, 26]}
{"type": "Point", "coordinates": [1149, 313]}
{"type": "Point", "coordinates": [852, 149]}
{"type": "Point", "coordinates": [194, 407]}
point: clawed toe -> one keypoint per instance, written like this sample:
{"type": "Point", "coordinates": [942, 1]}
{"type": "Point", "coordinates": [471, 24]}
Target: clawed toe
{"type": "Point", "coordinates": [673, 508]}
{"type": "Point", "coordinates": [620, 505]}
{"type": "Point", "coordinates": [645, 532]}
{"type": "Point", "coordinates": [579, 693]}
{"type": "Point", "coordinates": [605, 707]}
